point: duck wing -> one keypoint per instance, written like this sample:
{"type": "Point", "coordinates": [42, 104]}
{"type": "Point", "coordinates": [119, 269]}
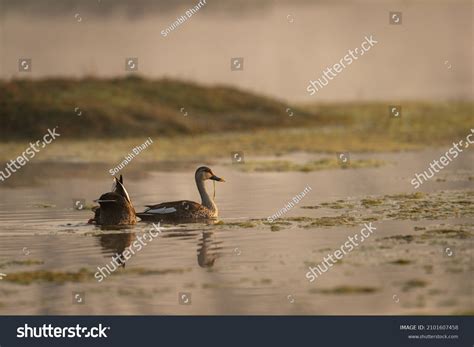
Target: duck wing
{"type": "Point", "coordinates": [176, 210]}
{"type": "Point", "coordinates": [173, 206]}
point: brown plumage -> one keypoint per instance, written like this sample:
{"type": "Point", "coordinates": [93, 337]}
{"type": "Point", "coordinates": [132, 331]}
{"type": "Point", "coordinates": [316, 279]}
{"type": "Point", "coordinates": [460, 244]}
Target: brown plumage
{"type": "Point", "coordinates": [115, 207]}
{"type": "Point", "coordinates": [185, 210]}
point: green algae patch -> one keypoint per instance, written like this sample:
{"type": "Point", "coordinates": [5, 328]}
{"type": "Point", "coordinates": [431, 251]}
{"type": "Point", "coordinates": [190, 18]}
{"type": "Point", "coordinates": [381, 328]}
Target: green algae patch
{"type": "Point", "coordinates": [245, 224]}
{"type": "Point", "coordinates": [44, 205]}
{"type": "Point", "coordinates": [436, 234]}
{"type": "Point", "coordinates": [401, 262]}
{"type": "Point", "coordinates": [449, 233]}
{"type": "Point", "coordinates": [413, 284]}
{"type": "Point", "coordinates": [337, 205]}
{"type": "Point", "coordinates": [345, 290]}
{"type": "Point", "coordinates": [296, 219]}
{"type": "Point", "coordinates": [21, 263]}
{"type": "Point", "coordinates": [333, 221]}
{"type": "Point", "coordinates": [58, 277]}
{"type": "Point", "coordinates": [368, 202]}
{"type": "Point", "coordinates": [151, 272]}
{"type": "Point", "coordinates": [413, 206]}
{"type": "Point", "coordinates": [406, 238]}
{"type": "Point", "coordinates": [411, 196]}
{"type": "Point", "coordinates": [311, 207]}
{"type": "Point", "coordinates": [82, 275]}
{"type": "Point", "coordinates": [334, 205]}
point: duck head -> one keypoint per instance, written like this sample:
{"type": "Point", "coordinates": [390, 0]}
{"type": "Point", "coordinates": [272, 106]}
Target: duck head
{"type": "Point", "coordinates": [204, 173]}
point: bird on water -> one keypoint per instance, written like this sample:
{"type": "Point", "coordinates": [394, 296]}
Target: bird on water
{"type": "Point", "coordinates": [185, 210]}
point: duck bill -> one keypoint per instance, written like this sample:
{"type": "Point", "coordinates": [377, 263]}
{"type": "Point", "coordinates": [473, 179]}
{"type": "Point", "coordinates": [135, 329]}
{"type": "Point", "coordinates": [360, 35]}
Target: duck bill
{"type": "Point", "coordinates": [218, 179]}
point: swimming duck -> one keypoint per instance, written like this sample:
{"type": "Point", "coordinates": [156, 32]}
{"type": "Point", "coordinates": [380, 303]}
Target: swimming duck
{"type": "Point", "coordinates": [115, 207]}
{"type": "Point", "coordinates": [185, 210]}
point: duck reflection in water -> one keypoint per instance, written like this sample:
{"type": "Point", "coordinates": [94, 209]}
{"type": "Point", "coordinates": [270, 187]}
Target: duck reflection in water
{"type": "Point", "coordinates": [116, 244]}
{"type": "Point", "coordinates": [208, 250]}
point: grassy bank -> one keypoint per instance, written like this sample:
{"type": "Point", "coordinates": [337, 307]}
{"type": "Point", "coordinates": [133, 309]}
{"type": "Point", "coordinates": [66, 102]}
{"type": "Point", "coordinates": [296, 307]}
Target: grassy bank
{"type": "Point", "coordinates": [211, 146]}
{"type": "Point", "coordinates": [134, 107]}
{"type": "Point", "coordinates": [119, 114]}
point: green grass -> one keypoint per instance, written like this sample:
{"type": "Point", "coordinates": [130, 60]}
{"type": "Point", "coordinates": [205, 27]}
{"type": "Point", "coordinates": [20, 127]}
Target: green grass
{"type": "Point", "coordinates": [428, 123]}
{"type": "Point", "coordinates": [345, 290]}
{"type": "Point", "coordinates": [119, 114]}
{"type": "Point", "coordinates": [134, 107]}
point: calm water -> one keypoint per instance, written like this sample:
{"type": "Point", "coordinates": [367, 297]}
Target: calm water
{"type": "Point", "coordinates": [229, 269]}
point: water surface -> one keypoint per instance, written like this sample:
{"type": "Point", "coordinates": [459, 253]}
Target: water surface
{"type": "Point", "coordinates": [236, 267]}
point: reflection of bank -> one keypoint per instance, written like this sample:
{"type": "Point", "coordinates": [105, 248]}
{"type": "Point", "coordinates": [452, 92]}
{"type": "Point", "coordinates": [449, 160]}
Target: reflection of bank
{"type": "Point", "coordinates": [208, 250]}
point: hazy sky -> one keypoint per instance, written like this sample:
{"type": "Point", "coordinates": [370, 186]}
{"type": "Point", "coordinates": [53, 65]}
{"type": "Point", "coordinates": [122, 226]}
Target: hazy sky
{"type": "Point", "coordinates": [284, 44]}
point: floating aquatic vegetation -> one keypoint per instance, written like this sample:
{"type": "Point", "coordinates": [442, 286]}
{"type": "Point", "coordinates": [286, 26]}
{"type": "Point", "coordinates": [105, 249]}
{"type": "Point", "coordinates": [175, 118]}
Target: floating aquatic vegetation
{"type": "Point", "coordinates": [437, 233]}
{"type": "Point", "coordinates": [406, 238]}
{"type": "Point", "coordinates": [413, 206]}
{"type": "Point", "coordinates": [59, 277]}
{"type": "Point", "coordinates": [340, 290]}
{"type": "Point", "coordinates": [413, 284]}
{"type": "Point", "coordinates": [275, 228]}
{"type": "Point", "coordinates": [82, 275]}
{"type": "Point", "coordinates": [333, 221]}
{"type": "Point", "coordinates": [401, 262]}
{"type": "Point", "coordinates": [245, 224]}
{"type": "Point", "coordinates": [21, 263]}
{"type": "Point", "coordinates": [371, 202]}
{"type": "Point", "coordinates": [337, 205]}
{"type": "Point", "coordinates": [44, 205]}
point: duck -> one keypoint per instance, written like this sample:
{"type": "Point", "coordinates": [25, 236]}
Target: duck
{"type": "Point", "coordinates": [185, 210]}
{"type": "Point", "coordinates": [115, 208]}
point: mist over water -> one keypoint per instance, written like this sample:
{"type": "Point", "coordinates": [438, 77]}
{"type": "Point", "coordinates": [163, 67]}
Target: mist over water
{"type": "Point", "coordinates": [284, 45]}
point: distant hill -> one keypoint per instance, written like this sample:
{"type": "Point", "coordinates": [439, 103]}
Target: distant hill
{"type": "Point", "coordinates": [133, 106]}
